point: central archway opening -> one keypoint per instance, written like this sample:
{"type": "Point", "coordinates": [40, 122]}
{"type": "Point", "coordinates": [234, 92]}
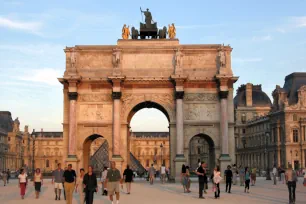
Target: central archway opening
{"type": "Point", "coordinates": [149, 137]}
{"type": "Point", "coordinates": [95, 153]}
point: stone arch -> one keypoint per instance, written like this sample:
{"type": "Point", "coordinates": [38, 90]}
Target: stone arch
{"type": "Point", "coordinates": [86, 148]}
{"type": "Point", "coordinates": [132, 102]}
{"type": "Point", "coordinates": [202, 147]}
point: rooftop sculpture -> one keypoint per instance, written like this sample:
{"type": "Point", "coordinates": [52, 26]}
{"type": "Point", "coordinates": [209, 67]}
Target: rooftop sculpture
{"type": "Point", "coordinates": [148, 29]}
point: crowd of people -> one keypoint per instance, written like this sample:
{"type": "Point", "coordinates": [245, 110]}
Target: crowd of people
{"type": "Point", "coordinates": [66, 181]}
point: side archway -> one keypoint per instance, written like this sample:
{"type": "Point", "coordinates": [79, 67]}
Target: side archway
{"type": "Point", "coordinates": [100, 157]}
{"type": "Point", "coordinates": [202, 149]}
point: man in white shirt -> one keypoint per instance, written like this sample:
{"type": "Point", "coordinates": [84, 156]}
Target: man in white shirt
{"type": "Point", "coordinates": [163, 173]}
{"type": "Point", "coordinates": [274, 172]}
{"type": "Point", "coordinates": [103, 179]}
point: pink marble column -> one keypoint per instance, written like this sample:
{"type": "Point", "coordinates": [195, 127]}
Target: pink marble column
{"type": "Point", "coordinates": [224, 123]}
{"type": "Point", "coordinates": [116, 123]}
{"type": "Point", "coordinates": [72, 124]}
{"type": "Point", "coordinates": [179, 124]}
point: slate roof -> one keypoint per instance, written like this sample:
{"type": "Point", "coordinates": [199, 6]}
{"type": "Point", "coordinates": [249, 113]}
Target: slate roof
{"type": "Point", "coordinates": [259, 98]}
{"type": "Point", "coordinates": [293, 82]}
{"type": "Point", "coordinates": [6, 121]}
{"type": "Point", "coordinates": [151, 134]}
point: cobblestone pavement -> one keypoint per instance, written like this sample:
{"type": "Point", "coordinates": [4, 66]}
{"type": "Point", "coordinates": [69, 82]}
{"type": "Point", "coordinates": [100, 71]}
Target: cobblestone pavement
{"type": "Point", "coordinates": [142, 192]}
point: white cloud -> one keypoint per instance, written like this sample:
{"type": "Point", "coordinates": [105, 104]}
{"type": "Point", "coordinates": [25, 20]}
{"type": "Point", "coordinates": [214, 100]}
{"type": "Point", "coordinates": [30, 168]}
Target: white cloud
{"type": "Point", "coordinates": [262, 38]}
{"type": "Point", "coordinates": [32, 27]}
{"type": "Point", "coordinates": [299, 21]}
{"type": "Point", "coordinates": [246, 60]}
{"type": "Point", "coordinates": [46, 76]}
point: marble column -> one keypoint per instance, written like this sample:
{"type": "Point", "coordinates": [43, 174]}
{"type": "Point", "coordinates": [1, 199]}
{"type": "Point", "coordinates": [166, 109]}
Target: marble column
{"type": "Point", "coordinates": [116, 123]}
{"type": "Point", "coordinates": [72, 124]}
{"type": "Point", "coordinates": [179, 124]}
{"type": "Point", "coordinates": [224, 123]}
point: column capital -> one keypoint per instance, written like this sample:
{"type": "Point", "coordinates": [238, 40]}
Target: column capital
{"type": "Point", "coordinates": [73, 95]}
{"type": "Point", "coordinates": [223, 94]}
{"type": "Point", "coordinates": [116, 95]}
{"type": "Point", "coordinates": [179, 94]}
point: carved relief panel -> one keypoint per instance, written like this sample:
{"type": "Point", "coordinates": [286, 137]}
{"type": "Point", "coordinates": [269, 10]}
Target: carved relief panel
{"type": "Point", "coordinates": [201, 112]}
{"type": "Point", "coordinates": [95, 112]}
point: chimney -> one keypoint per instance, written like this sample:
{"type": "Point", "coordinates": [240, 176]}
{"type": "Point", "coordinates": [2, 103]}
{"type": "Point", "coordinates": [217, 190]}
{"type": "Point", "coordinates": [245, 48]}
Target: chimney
{"type": "Point", "coordinates": [249, 97]}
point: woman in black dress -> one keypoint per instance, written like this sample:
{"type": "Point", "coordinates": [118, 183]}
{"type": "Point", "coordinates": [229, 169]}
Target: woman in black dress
{"type": "Point", "coordinates": [90, 185]}
{"type": "Point", "coordinates": [128, 178]}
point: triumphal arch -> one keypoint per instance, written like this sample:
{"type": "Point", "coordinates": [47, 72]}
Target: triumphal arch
{"type": "Point", "coordinates": [105, 85]}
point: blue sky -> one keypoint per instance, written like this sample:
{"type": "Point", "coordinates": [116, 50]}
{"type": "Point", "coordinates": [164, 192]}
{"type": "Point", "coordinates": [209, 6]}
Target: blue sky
{"type": "Point", "coordinates": [268, 40]}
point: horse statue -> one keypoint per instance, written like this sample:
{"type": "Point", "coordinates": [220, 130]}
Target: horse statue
{"type": "Point", "coordinates": [135, 33]}
{"type": "Point", "coordinates": [162, 33]}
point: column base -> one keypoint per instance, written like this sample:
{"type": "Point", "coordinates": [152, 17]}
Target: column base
{"type": "Point", "coordinates": [179, 161]}
{"type": "Point", "coordinates": [119, 160]}
{"type": "Point", "coordinates": [73, 160]}
{"type": "Point", "coordinates": [224, 160]}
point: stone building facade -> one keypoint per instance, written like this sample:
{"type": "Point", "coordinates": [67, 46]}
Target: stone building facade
{"type": "Point", "coordinates": [151, 148]}
{"type": "Point", "coordinates": [279, 137]}
{"type": "Point", "coordinates": [105, 85]}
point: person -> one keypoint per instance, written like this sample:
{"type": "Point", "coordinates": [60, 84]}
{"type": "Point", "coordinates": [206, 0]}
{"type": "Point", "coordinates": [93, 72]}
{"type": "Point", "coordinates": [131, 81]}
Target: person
{"type": "Point", "coordinates": [63, 183]}
{"type": "Point", "coordinates": [205, 179]}
{"type": "Point", "coordinates": [38, 182]}
{"type": "Point", "coordinates": [235, 174]}
{"type": "Point", "coordinates": [23, 180]}
{"type": "Point", "coordinates": [241, 175]}
{"type": "Point", "coordinates": [163, 173]}
{"type": "Point", "coordinates": [57, 179]}
{"type": "Point", "coordinates": [228, 178]}
{"type": "Point", "coordinates": [217, 178]}
{"type": "Point", "coordinates": [8, 172]}
{"type": "Point", "coordinates": [90, 185]}
{"type": "Point", "coordinates": [112, 182]}
{"type": "Point", "coordinates": [4, 178]}
{"type": "Point", "coordinates": [151, 174]}
{"type": "Point", "coordinates": [188, 179]}
{"type": "Point", "coordinates": [304, 182]}
{"type": "Point", "coordinates": [247, 180]}
{"type": "Point", "coordinates": [291, 179]}
{"type": "Point", "coordinates": [103, 179]}
{"type": "Point", "coordinates": [253, 175]}
{"type": "Point", "coordinates": [282, 175]}
{"type": "Point", "coordinates": [201, 174]}
{"type": "Point", "coordinates": [70, 180]}
{"type": "Point", "coordinates": [79, 188]}
{"type": "Point", "coordinates": [128, 178]}
{"type": "Point", "coordinates": [183, 177]}
{"type": "Point", "coordinates": [274, 173]}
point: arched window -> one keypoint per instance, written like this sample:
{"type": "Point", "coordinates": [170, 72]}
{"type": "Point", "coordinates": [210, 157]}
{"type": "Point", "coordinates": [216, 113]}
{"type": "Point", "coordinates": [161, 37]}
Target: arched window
{"type": "Point", "coordinates": [295, 134]}
{"type": "Point", "coordinates": [47, 163]}
{"type": "Point", "coordinates": [199, 150]}
{"type": "Point", "coordinates": [294, 117]}
{"type": "Point", "coordinates": [243, 117]}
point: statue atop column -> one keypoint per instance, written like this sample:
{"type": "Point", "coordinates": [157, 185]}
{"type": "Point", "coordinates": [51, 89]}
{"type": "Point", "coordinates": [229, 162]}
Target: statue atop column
{"type": "Point", "coordinates": [222, 57]}
{"type": "Point", "coordinates": [116, 58]}
{"type": "Point", "coordinates": [72, 58]}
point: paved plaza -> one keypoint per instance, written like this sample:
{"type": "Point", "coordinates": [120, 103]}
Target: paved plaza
{"type": "Point", "coordinates": [142, 192]}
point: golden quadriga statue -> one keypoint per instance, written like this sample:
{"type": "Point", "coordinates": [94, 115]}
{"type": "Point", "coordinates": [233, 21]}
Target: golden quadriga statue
{"type": "Point", "coordinates": [125, 32]}
{"type": "Point", "coordinates": [171, 31]}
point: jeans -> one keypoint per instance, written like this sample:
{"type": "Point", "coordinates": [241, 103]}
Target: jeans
{"type": "Point", "coordinates": [89, 195]}
{"type": "Point", "coordinates": [228, 185]}
{"type": "Point", "coordinates": [274, 178]}
{"type": "Point", "coordinates": [241, 176]}
{"type": "Point", "coordinates": [291, 189]}
{"type": "Point", "coordinates": [217, 193]}
{"type": "Point", "coordinates": [201, 188]}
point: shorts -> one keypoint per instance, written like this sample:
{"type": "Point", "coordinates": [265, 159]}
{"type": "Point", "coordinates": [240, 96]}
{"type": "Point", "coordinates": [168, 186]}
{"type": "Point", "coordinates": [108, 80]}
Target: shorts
{"type": "Point", "coordinates": [58, 186]}
{"type": "Point", "coordinates": [113, 187]}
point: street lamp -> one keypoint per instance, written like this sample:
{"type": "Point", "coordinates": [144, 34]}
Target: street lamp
{"type": "Point", "coordinates": [161, 153]}
{"type": "Point", "coordinates": [268, 176]}
{"type": "Point", "coordinates": [33, 161]}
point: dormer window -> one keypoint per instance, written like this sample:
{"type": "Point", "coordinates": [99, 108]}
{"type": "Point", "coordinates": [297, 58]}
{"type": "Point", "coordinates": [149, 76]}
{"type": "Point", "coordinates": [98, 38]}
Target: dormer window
{"type": "Point", "coordinates": [243, 117]}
